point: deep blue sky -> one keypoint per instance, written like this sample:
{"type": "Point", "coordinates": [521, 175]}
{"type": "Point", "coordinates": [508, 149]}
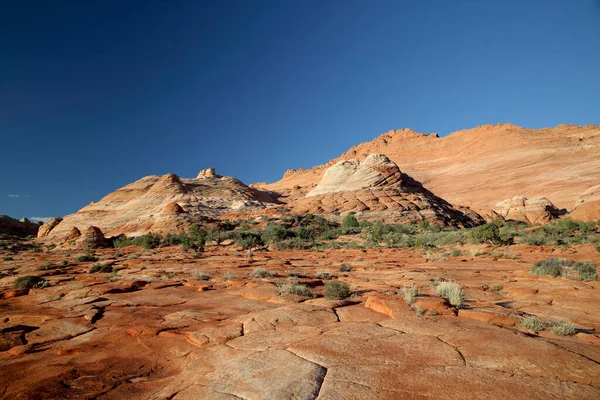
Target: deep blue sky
{"type": "Point", "coordinates": [96, 94]}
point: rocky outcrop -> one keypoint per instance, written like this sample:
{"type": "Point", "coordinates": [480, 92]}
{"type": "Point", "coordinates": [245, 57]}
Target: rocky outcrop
{"type": "Point", "coordinates": [378, 190]}
{"type": "Point", "coordinates": [23, 227]}
{"type": "Point", "coordinates": [162, 204]}
{"type": "Point", "coordinates": [530, 210]}
{"type": "Point", "coordinates": [477, 167]}
{"type": "Point", "coordinates": [46, 228]}
{"type": "Point", "coordinates": [207, 173]}
{"type": "Point", "coordinates": [92, 238]}
{"type": "Point", "coordinates": [347, 175]}
{"type": "Point", "coordinates": [587, 206]}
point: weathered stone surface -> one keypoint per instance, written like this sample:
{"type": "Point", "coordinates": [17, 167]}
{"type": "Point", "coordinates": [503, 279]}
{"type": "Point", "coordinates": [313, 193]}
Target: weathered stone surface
{"type": "Point", "coordinates": [58, 330]}
{"type": "Point", "coordinates": [530, 210]}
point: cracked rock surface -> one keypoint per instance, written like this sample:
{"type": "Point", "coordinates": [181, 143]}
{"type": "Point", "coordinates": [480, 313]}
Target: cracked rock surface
{"type": "Point", "coordinates": [107, 336]}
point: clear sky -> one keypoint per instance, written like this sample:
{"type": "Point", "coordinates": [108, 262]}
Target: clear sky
{"type": "Point", "coordinates": [97, 94]}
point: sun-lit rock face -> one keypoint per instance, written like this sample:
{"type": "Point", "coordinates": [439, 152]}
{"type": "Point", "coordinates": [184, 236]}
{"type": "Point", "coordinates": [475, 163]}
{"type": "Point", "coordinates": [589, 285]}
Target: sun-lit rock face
{"type": "Point", "coordinates": [529, 210]}
{"type": "Point", "coordinates": [481, 166]}
{"type": "Point", "coordinates": [163, 204]}
{"type": "Point", "coordinates": [587, 206]}
{"type": "Point", "coordinates": [376, 188]}
{"type": "Point", "coordinates": [374, 171]}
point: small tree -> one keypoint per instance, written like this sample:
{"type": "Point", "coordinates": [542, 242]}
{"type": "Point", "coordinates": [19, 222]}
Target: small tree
{"type": "Point", "coordinates": [350, 224]}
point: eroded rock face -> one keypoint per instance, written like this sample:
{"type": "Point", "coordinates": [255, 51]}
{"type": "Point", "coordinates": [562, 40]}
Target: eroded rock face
{"type": "Point", "coordinates": [92, 238]}
{"type": "Point", "coordinates": [12, 226]}
{"type": "Point", "coordinates": [378, 189]}
{"type": "Point", "coordinates": [347, 175]}
{"type": "Point", "coordinates": [162, 204]}
{"type": "Point", "coordinates": [587, 206]}
{"type": "Point", "coordinates": [46, 228]}
{"type": "Point", "coordinates": [529, 210]}
{"type": "Point", "coordinates": [477, 167]}
{"type": "Point", "coordinates": [207, 173]}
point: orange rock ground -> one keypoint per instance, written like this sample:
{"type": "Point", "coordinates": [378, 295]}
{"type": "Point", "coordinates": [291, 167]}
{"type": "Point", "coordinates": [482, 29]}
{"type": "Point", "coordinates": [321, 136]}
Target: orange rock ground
{"type": "Point", "coordinates": [153, 330]}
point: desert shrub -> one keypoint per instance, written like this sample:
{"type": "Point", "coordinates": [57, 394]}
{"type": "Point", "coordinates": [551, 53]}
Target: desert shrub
{"type": "Point", "coordinates": [121, 241]}
{"type": "Point", "coordinates": [260, 273]}
{"type": "Point", "coordinates": [451, 291]}
{"type": "Point", "coordinates": [64, 263]}
{"type": "Point", "coordinates": [147, 241]}
{"type": "Point", "coordinates": [443, 238]}
{"type": "Point", "coordinates": [399, 240]}
{"type": "Point", "coordinates": [274, 233]}
{"type": "Point", "coordinates": [293, 244]}
{"type": "Point", "coordinates": [350, 224]}
{"type": "Point", "coordinates": [7, 259]}
{"type": "Point", "coordinates": [345, 268]}
{"type": "Point", "coordinates": [495, 288]}
{"type": "Point", "coordinates": [297, 289]}
{"type": "Point", "coordinates": [534, 239]}
{"type": "Point", "coordinates": [336, 290]}
{"type": "Point", "coordinates": [227, 276]}
{"type": "Point", "coordinates": [584, 271]}
{"type": "Point", "coordinates": [580, 270]}
{"type": "Point", "coordinates": [409, 294]}
{"type": "Point", "coordinates": [101, 268]}
{"type": "Point", "coordinates": [201, 275]}
{"type": "Point", "coordinates": [456, 253]}
{"type": "Point", "coordinates": [563, 328]}
{"type": "Point", "coordinates": [306, 232]}
{"type": "Point", "coordinates": [29, 282]}
{"type": "Point", "coordinates": [323, 275]}
{"type": "Point", "coordinates": [248, 239]}
{"type": "Point", "coordinates": [550, 266]}
{"type": "Point", "coordinates": [487, 233]}
{"type": "Point", "coordinates": [85, 257]}
{"type": "Point", "coordinates": [46, 266]}
{"type": "Point", "coordinates": [173, 239]}
{"type": "Point", "coordinates": [532, 323]}
{"type": "Point", "coordinates": [419, 310]}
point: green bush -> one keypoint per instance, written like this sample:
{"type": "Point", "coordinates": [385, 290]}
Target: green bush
{"type": "Point", "coordinates": [274, 233]}
{"type": "Point", "coordinates": [297, 289]}
{"type": "Point", "coordinates": [579, 270]}
{"type": "Point", "coordinates": [248, 239]}
{"type": "Point", "coordinates": [46, 266]}
{"type": "Point", "coordinates": [101, 268]}
{"type": "Point", "coordinates": [336, 290]}
{"type": "Point", "coordinates": [487, 233]}
{"type": "Point", "coordinates": [409, 294]}
{"type": "Point", "coordinates": [563, 328]}
{"type": "Point", "coordinates": [451, 291]}
{"type": "Point", "coordinates": [350, 224]}
{"type": "Point", "coordinates": [147, 241]}
{"type": "Point", "coordinates": [533, 324]}
{"type": "Point", "coordinates": [29, 282]}
{"type": "Point", "coordinates": [293, 244]}
{"type": "Point", "coordinates": [260, 273]}
{"type": "Point", "coordinates": [85, 257]}
{"type": "Point", "coordinates": [345, 268]}
{"type": "Point", "coordinates": [200, 275]}
{"type": "Point", "coordinates": [323, 275]}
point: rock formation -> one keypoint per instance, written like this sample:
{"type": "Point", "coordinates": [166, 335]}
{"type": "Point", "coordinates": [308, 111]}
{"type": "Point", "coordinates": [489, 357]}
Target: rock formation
{"type": "Point", "coordinates": [587, 206]}
{"type": "Point", "coordinates": [378, 189]}
{"type": "Point", "coordinates": [48, 226]}
{"type": "Point", "coordinates": [23, 227]}
{"type": "Point", "coordinates": [162, 204]}
{"type": "Point", "coordinates": [481, 166]}
{"type": "Point", "coordinates": [531, 211]}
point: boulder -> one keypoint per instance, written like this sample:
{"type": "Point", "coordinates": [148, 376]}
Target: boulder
{"type": "Point", "coordinates": [46, 228]}
{"type": "Point", "coordinates": [530, 210]}
{"type": "Point", "coordinates": [92, 238]}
